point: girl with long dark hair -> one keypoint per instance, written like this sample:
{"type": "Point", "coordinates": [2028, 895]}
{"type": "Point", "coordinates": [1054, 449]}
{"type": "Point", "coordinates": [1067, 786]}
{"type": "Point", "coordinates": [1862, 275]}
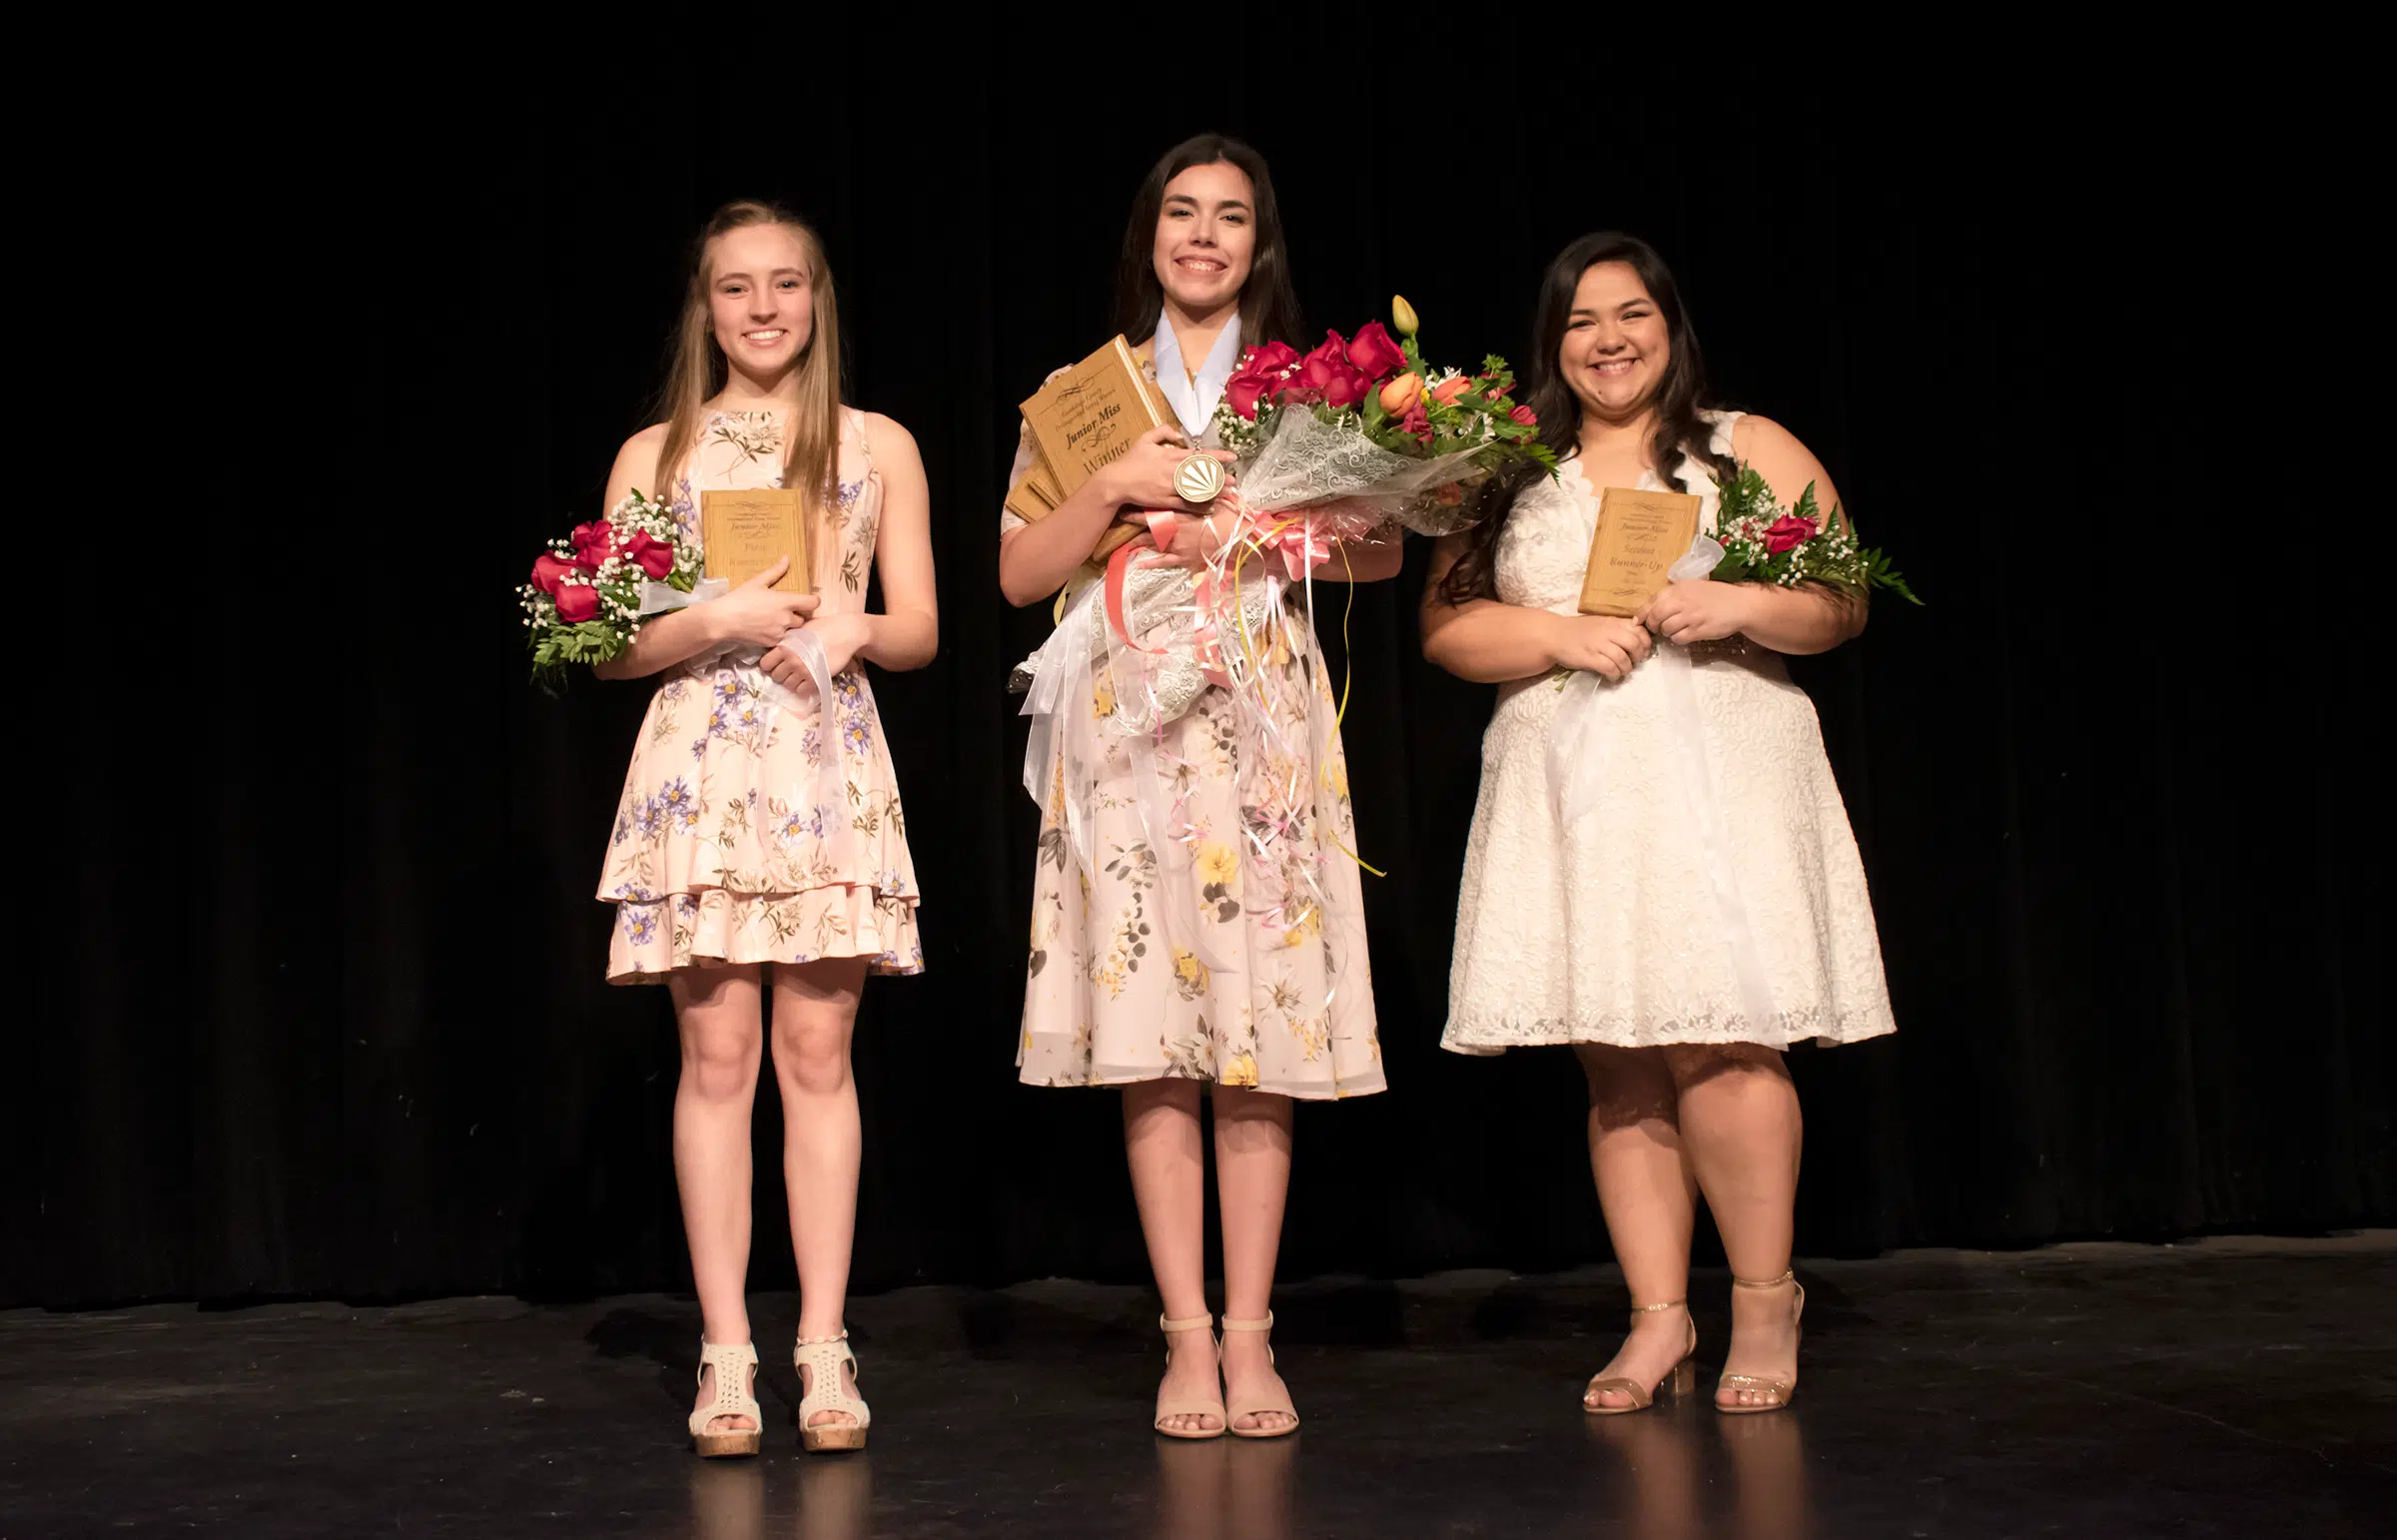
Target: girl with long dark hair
{"type": "Point", "coordinates": [1698, 905]}
{"type": "Point", "coordinates": [1196, 924]}
{"type": "Point", "coordinates": [734, 882]}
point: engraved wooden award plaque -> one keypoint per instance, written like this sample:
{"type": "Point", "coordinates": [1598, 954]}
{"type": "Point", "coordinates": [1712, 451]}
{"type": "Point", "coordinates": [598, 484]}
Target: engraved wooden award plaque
{"type": "Point", "coordinates": [744, 533]}
{"type": "Point", "coordinates": [1640, 535]}
{"type": "Point", "coordinates": [1083, 419]}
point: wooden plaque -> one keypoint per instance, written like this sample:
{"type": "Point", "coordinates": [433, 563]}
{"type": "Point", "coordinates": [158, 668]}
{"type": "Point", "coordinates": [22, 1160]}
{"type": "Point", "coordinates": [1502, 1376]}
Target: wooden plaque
{"type": "Point", "coordinates": [744, 533]}
{"type": "Point", "coordinates": [1640, 535]}
{"type": "Point", "coordinates": [1084, 418]}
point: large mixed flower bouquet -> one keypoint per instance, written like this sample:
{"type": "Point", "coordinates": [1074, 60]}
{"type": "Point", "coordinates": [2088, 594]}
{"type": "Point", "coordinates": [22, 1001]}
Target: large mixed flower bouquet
{"type": "Point", "coordinates": [584, 603]}
{"type": "Point", "coordinates": [1363, 420]}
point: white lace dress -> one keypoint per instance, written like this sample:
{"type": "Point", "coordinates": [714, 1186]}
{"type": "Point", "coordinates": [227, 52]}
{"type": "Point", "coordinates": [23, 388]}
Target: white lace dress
{"type": "Point", "coordinates": [1617, 934]}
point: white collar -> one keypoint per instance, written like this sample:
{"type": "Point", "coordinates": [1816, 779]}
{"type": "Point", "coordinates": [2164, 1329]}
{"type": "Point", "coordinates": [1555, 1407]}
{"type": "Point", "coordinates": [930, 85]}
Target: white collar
{"type": "Point", "coordinates": [1193, 402]}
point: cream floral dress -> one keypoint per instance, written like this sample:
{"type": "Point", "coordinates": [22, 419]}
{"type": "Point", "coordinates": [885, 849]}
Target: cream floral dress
{"type": "Point", "coordinates": [1120, 986]}
{"type": "Point", "coordinates": [1614, 931]}
{"type": "Point", "coordinates": [719, 854]}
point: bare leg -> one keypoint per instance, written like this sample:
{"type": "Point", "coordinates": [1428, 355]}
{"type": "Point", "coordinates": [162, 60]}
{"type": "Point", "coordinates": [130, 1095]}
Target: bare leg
{"type": "Point", "coordinates": [1649, 1199]}
{"type": "Point", "coordinates": [1169, 1182]}
{"type": "Point", "coordinates": [815, 1009]}
{"type": "Point", "coordinates": [1253, 1176]}
{"type": "Point", "coordinates": [1739, 1116]}
{"type": "Point", "coordinates": [717, 1012]}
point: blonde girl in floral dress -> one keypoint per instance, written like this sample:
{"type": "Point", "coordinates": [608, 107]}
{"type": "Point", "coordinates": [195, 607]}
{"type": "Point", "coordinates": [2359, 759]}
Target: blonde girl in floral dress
{"type": "Point", "coordinates": [1196, 921]}
{"type": "Point", "coordinates": [1704, 907]}
{"type": "Point", "coordinates": [761, 848]}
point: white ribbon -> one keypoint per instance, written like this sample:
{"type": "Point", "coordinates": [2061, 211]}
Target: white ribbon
{"type": "Point", "coordinates": [1062, 679]}
{"type": "Point", "coordinates": [1574, 786]}
{"type": "Point", "coordinates": [831, 788]}
{"type": "Point", "coordinates": [1195, 401]}
{"type": "Point", "coordinates": [1063, 705]}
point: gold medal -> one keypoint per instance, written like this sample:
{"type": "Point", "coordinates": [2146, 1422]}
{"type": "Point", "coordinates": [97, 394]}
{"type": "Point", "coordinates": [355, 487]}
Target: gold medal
{"type": "Point", "coordinates": [1198, 478]}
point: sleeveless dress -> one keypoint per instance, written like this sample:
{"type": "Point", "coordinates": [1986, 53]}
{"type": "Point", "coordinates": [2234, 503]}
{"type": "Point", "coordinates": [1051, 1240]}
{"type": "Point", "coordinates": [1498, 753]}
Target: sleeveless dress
{"type": "Point", "coordinates": [1112, 994]}
{"type": "Point", "coordinates": [718, 855]}
{"type": "Point", "coordinates": [1614, 931]}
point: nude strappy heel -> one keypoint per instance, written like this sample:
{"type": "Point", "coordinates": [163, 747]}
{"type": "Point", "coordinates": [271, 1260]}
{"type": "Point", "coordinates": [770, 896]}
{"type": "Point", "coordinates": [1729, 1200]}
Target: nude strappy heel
{"type": "Point", "coordinates": [822, 1359]}
{"type": "Point", "coordinates": [733, 1363]}
{"type": "Point", "coordinates": [1255, 1408]}
{"type": "Point", "coordinates": [1776, 1392]}
{"type": "Point", "coordinates": [1190, 1409]}
{"type": "Point", "coordinates": [1679, 1379]}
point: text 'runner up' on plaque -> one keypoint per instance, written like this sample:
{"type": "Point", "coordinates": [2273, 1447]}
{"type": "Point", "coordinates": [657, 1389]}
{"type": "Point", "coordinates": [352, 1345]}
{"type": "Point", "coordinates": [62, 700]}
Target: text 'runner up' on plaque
{"type": "Point", "coordinates": [745, 531]}
{"type": "Point", "coordinates": [1640, 535]}
{"type": "Point", "coordinates": [1084, 419]}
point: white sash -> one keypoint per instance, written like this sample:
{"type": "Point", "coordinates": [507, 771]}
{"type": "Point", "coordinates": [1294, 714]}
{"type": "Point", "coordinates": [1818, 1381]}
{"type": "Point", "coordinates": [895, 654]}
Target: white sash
{"type": "Point", "coordinates": [1195, 402]}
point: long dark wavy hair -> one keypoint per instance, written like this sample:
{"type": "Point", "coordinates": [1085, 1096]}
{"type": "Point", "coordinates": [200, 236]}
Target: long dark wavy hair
{"type": "Point", "coordinates": [1680, 396]}
{"type": "Point", "coordinates": [1269, 307]}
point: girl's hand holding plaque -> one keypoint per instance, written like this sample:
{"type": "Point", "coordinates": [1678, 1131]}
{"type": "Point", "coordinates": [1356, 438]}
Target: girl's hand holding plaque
{"type": "Point", "coordinates": [1606, 645]}
{"type": "Point", "coordinates": [757, 614]}
{"type": "Point", "coordinates": [1696, 611]}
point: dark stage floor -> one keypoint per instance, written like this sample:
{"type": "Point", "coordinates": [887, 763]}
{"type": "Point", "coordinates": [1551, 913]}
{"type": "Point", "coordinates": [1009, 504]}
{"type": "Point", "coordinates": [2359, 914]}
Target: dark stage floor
{"type": "Point", "coordinates": [2232, 1387]}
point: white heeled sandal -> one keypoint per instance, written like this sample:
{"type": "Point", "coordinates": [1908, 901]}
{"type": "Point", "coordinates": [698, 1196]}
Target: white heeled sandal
{"type": "Point", "coordinates": [821, 1359]}
{"type": "Point", "coordinates": [733, 1363]}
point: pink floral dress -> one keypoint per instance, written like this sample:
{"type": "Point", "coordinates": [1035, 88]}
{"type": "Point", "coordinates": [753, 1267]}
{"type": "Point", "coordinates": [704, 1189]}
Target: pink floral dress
{"type": "Point", "coordinates": [719, 851]}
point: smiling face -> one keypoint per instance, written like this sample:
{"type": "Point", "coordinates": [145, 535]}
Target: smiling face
{"type": "Point", "coordinates": [762, 301]}
{"type": "Point", "coordinates": [1205, 236]}
{"type": "Point", "coordinates": [1616, 343]}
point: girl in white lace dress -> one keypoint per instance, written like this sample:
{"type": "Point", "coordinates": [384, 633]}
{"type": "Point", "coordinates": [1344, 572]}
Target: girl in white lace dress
{"type": "Point", "coordinates": [1704, 908]}
{"type": "Point", "coordinates": [1249, 984]}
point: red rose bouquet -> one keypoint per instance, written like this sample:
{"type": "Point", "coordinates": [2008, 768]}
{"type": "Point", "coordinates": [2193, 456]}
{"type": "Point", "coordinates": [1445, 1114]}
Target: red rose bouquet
{"type": "Point", "coordinates": [1762, 542]}
{"type": "Point", "coordinates": [590, 590]}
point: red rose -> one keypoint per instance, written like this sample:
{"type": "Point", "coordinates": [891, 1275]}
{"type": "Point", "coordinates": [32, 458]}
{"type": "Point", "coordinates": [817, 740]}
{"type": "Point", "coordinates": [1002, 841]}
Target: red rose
{"type": "Point", "coordinates": [1261, 370]}
{"type": "Point", "coordinates": [549, 569]}
{"type": "Point", "coordinates": [577, 602]}
{"type": "Point", "coordinates": [1314, 374]}
{"type": "Point", "coordinates": [1787, 533]}
{"type": "Point", "coordinates": [1523, 416]}
{"type": "Point", "coordinates": [1374, 352]}
{"type": "Point", "coordinates": [652, 556]}
{"type": "Point", "coordinates": [1349, 386]}
{"type": "Point", "coordinates": [1328, 376]}
{"type": "Point", "coordinates": [1243, 389]}
{"type": "Point", "coordinates": [594, 542]}
{"type": "Point", "coordinates": [1268, 359]}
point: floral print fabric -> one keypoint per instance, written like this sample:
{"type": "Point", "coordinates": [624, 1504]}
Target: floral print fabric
{"type": "Point", "coordinates": [719, 851]}
{"type": "Point", "coordinates": [1218, 933]}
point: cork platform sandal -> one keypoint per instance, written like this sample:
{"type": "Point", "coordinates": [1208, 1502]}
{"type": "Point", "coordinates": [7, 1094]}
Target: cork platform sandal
{"type": "Point", "coordinates": [1253, 1408]}
{"type": "Point", "coordinates": [1190, 1407]}
{"type": "Point", "coordinates": [735, 1365]}
{"type": "Point", "coordinates": [822, 1359]}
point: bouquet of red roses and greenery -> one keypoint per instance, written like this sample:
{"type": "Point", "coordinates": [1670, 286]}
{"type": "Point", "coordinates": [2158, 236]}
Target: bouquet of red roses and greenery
{"type": "Point", "coordinates": [1763, 543]}
{"type": "Point", "coordinates": [591, 589]}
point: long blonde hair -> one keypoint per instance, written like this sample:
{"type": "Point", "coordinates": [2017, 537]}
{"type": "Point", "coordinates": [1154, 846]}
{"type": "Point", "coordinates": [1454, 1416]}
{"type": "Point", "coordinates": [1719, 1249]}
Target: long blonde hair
{"type": "Point", "coordinates": [811, 452]}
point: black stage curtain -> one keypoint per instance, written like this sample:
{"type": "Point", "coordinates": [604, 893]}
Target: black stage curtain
{"type": "Point", "coordinates": [332, 1021]}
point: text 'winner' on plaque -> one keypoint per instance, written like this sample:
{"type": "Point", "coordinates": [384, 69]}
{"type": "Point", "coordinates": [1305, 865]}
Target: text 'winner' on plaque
{"type": "Point", "coordinates": [746, 531]}
{"type": "Point", "coordinates": [1083, 419]}
{"type": "Point", "coordinates": [1640, 535]}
